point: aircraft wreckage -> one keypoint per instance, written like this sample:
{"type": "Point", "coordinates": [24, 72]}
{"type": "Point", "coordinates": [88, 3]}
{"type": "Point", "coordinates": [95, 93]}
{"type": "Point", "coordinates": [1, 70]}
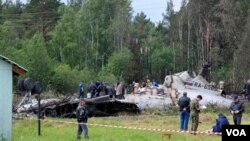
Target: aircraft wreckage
{"type": "Point", "coordinates": [161, 98]}
{"type": "Point", "coordinates": [65, 107]}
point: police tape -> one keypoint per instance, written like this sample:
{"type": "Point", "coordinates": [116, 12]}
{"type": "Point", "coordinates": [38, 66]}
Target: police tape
{"type": "Point", "coordinates": [138, 128]}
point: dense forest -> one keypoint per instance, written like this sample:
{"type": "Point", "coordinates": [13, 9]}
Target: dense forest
{"type": "Point", "coordinates": [88, 40]}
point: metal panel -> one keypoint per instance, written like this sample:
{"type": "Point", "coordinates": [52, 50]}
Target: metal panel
{"type": "Point", "coordinates": [5, 100]}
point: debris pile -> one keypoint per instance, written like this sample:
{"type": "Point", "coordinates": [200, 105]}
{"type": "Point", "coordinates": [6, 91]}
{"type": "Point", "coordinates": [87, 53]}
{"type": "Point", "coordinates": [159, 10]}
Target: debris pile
{"type": "Point", "coordinates": [65, 107]}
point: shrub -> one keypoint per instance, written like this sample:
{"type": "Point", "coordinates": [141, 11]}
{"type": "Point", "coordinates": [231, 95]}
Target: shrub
{"type": "Point", "coordinates": [66, 79]}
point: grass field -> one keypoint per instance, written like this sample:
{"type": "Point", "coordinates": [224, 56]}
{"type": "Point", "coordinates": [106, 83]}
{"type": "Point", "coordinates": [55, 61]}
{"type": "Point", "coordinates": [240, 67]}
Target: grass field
{"type": "Point", "coordinates": [26, 130]}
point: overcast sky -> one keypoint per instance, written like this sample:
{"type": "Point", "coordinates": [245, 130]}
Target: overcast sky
{"type": "Point", "coordinates": [152, 8]}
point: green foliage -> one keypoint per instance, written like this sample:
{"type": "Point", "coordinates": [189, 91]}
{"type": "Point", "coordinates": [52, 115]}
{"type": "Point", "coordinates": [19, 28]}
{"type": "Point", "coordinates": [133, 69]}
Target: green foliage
{"type": "Point", "coordinates": [168, 111]}
{"type": "Point", "coordinates": [142, 41]}
{"type": "Point", "coordinates": [173, 111]}
{"type": "Point", "coordinates": [88, 40]}
{"type": "Point", "coordinates": [9, 40]}
{"type": "Point", "coordinates": [42, 16]}
{"type": "Point", "coordinates": [224, 73]}
{"type": "Point", "coordinates": [37, 60]}
{"type": "Point", "coordinates": [66, 79]}
{"type": "Point", "coordinates": [215, 108]}
{"type": "Point", "coordinates": [162, 62]}
{"type": "Point", "coordinates": [247, 108]}
{"type": "Point", "coordinates": [108, 78]}
{"type": "Point", "coordinates": [49, 94]}
{"type": "Point", "coordinates": [63, 46]}
{"type": "Point", "coordinates": [119, 64]}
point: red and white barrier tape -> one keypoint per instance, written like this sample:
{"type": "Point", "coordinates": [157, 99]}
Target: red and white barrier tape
{"type": "Point", "coordinates": [139, 128]}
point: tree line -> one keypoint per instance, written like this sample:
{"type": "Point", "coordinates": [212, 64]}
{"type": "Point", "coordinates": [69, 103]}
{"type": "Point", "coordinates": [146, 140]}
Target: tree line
{"type": "Point", "coordinates": [87, 40]}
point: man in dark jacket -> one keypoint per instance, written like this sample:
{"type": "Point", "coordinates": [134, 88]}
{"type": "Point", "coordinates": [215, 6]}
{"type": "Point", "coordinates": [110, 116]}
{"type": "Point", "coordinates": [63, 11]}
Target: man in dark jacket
{"type": "Point", "coordinates": [81, 90]}
{"type": "Point", "coordinates": [98, 88]}
{"type": "Point", "coordinates": [184, 104]}
{"type": "Point", "coordinates": [92, 89]}
{"type": "Point", "coordinates": [220, 121]}
{"type": "Point", "coordinates": [82, 118]}
{"type": "Point", "coordinates": [237, 108]}
{"type": "Point", "coordinates": [109, 91]}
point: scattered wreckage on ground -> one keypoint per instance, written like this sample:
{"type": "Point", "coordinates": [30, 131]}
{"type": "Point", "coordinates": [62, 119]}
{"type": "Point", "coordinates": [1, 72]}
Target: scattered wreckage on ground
{"type": "Point", "coordinates": [161, 98]}
{"type": "Point", "coordinates": [65, 107]}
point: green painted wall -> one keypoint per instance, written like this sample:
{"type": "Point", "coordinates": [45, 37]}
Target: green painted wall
{"type": "Point", "coordinates": [5, 100]}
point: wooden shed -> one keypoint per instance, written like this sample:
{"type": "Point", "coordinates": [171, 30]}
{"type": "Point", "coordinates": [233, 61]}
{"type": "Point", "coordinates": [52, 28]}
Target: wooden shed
{"type": "Point", "coordinates": [8, 68]}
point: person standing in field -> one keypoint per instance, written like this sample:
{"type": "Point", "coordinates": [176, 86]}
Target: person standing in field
{"type": "Point", "coordinates": [82, 118]}
{"type": "Point", "coordinates": [195, 111]}
{"type": "Point", "coordinates": [92, 89]}
{"type": "Point", "coordinates": [247, 90]}
{"type": "Point", "coordinates": [81, 90]}
{"type": "Point", "coordinates": [237, 108]}
{"type": "Point", "coordinates": [184, 104]}
{"type": "Point", "coordinates": [120, 90]}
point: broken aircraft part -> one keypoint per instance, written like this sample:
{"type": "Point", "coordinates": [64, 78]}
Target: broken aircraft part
{"type": "Point", "coordinates": [65, 107]}
{"type": "Point", "coordinates": [183, 82]}
{"type": "Point", "coordinates": [161, 98]}
{"type": "Point", "coordinates": [148, 101]}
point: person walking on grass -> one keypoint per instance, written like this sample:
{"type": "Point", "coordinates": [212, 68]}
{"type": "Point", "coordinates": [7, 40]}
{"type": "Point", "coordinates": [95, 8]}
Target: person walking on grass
{"type": "Point", "coordinates": [195, 111]}
{"type": "Point", "coordinates": [82, 118]}
{"type": "Point", "coordinates": [237, 108]}
{"type": "Point", "coordinates": [184, 104]}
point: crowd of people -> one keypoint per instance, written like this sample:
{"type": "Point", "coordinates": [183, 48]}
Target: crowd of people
{"type": "Point", "coordinates": [96, 89]}
{"type": "Point", "coordinates": [137, 88]}
{"type": "Point", "coordinates": [187, 107]}
{"type": "Point", "coordinates": [192, 108]}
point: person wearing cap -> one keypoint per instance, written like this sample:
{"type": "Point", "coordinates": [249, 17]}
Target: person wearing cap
{"type": "Point", "coordinates": [195, 111]}
{"type": "Point", "coordinates": [82, 118]}
{"type": "Point", "coordinates": [237, 108]}
{"type": "Point", "coordinates": [184, 104]}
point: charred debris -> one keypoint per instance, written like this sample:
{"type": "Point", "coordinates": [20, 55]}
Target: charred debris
{"type": "Point", "coordinates": [65, 107]}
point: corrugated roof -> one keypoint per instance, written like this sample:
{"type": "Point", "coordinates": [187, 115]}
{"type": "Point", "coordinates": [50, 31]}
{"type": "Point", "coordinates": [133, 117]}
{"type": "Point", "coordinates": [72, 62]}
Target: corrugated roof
{"type": "Point", "coordinates": [16, 67]}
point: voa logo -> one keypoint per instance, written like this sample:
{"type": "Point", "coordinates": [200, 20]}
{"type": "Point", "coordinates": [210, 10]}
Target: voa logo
{"type": "Point", "coordinates": [236, 132]}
